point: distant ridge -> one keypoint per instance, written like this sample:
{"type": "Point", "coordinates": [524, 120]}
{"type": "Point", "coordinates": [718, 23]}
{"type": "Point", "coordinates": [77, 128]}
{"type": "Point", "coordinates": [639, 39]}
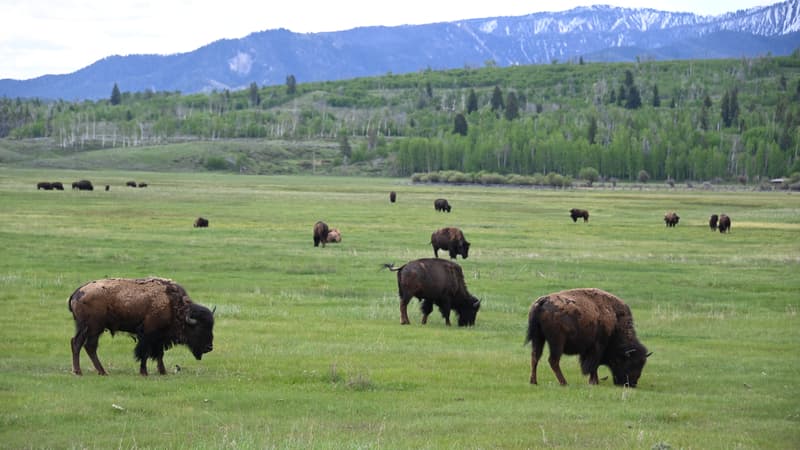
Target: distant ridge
{"type": "Point", "coordinates": [595, 33]}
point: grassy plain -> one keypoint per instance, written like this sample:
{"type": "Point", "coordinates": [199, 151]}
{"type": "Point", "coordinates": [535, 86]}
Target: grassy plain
{"type": "Point", "coordinates": [309, 351]}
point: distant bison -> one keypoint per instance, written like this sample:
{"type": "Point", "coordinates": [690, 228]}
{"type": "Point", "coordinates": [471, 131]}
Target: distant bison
{"type": "Point", "coordinates": [130, 184]}
{"type": "Point", "coordinates": [58, 186]}
{"type": "Point", "coordinates": [441, 205]}
{"type": "Point", "coordinates": [44, 185]}
{"type": "Point", "coordinates": [576, 213]}
{"type": "Point", "coordinates": [142, 185]}
{"type": "Point", "coordinates": [392, 196]}
{"type": "Point", "coordinates": [201, 222]}
{"type": "Point", "coordinates": [712, 222]}
{"type": "Point", "coordinates": [671, 219]}
{"type": "Point", "coordinates": [156, 311]}
{"type": "Point", "coordinates": [334, 236]}
{"type": "Point", "coordinates": [435, 282]}
{"type": "Point", "coordinates": [591, 323]}
{"type": "Point", "coordinates": [450, 239]}
{"type": "Point", "coordinates": [108, 187]}
{"type": "Point", "coordinates": [724, 223]}
{"type": "Point", "coordinates": [320, 233]}
{"type": "Point", "coordinates": [83, 185]}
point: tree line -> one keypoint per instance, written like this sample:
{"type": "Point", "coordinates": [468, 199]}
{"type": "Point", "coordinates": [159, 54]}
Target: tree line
{"type": "Point", "coordinates": [675, 120]}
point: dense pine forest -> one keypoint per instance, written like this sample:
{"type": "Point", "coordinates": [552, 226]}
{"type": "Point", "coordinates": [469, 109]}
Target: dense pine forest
{"type": "Point", "coordinates": [699, 120]}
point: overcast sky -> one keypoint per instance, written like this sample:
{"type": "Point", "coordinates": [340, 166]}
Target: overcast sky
{"type": "Point", "coordinates": [39, 37]}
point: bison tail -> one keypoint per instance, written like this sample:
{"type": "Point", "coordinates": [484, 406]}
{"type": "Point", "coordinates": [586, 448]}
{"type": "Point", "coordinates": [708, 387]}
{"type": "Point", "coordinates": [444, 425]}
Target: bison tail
{"type": "Point", "coordinates": [391, 267]}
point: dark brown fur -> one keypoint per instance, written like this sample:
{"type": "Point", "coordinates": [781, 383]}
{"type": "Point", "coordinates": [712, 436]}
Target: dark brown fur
{"type": "Point", "coordinates": [156, 311]}
{"type": "Point", "coordinates": [591, 323]}
{"type": "Point", "coordinates": [450, 239]}
{"type": "Point", "coordinates": [83, 185]}
{"type": "Point", "coordinates": [58, 186]}
{"type": "Point", "coordinates": [320, 233]}
{"type": "Point", "coordinates": [130, 184]}
{"type": "Point", "coordinates": [436, 282]}
{"type": "Point", "coordinates": [712, 222]}
{"type": "Point", "coordinates": [392, 196]}
{"type": "Point", "coordinates": [441, 204]}
{"type": "Point", "coordinates": [201, 222]}
{"type": "Point", "coordinates": [44, 185]}
{"type": "Point", "coordinates": [724, 223]}
{"type": "Point", "coordinates": [671, 219]}
{"type": "Point", "coordinates": [576, 213]}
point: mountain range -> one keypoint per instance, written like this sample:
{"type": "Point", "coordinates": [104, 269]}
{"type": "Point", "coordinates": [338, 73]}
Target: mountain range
{"type": "Point", "coordinates": [593, 34]}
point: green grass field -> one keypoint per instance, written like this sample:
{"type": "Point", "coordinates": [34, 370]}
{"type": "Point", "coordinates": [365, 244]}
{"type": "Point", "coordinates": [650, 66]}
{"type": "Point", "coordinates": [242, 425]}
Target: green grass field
{"type": "Point", "coordinates": [309, 351]}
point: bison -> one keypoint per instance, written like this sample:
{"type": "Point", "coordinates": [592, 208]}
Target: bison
{"type": "Point", "coordinates": [392, 196]}
{"type": "Point", "coordinates": [142, 185]}
{"type": "Point", "coordinates": [671, 219]}
{"type": "Point", "coordinates": [320, 233]}
{"type": "Point", "coordinates": [712, 222]}
{"type": "Point", "coordinates": [334, 236]}
{"type": "Point", "coordinates": [44, 185]}
{"type": "Point", "coordinates": [157, 312]}
{"type": "Point", "coordinates": [591, 323]}
{"type": "Point", "coordinates": [450, 239]}
{"type": "Point", "coordinates": [130, 183]}
{"type": "Point", "coordinates": [441, 205]}
{"type": "Point", "coordinates": [58, 186]}
{"type": "Point", "coordinates": [576, 213]}
{"type": "Point", "coordinates": [83, 185]}
{"type": "Point", "coordinates": [724, 223]}
{"type": "Point", "coordinates": [435, 282]}
{"type": "Point", "coordinates": [201, 222]}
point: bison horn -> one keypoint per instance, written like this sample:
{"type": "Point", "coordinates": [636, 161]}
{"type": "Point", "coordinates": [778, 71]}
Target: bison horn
{"type": "Point", "coordinates": [628, 352]}
{"type": "Point", "coordinates": [648, 355]}
{"type": "Point", "coordinates": [191, 321]}
{"type": "Point", "coordinates": [213, 310]}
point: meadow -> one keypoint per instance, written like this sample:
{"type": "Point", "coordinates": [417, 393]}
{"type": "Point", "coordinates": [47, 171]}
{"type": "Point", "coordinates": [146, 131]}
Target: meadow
{"type": "Point", "coordinates": [309, 351]}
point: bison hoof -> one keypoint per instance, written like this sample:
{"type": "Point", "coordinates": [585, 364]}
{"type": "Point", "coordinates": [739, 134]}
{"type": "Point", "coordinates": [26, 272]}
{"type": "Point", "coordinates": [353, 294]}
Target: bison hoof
{"type": "Point", "coordinates": [77, 372]}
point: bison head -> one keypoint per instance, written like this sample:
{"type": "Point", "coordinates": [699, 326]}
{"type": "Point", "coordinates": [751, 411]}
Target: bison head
{"type": "Point", "coordinates": [199, 331]}
{"type": "Point", "coordinates": [459, 247]}
{"type": "Point", "coordinates": [626, 367]}
{"type": "Point", "coordinates": [468, 312]}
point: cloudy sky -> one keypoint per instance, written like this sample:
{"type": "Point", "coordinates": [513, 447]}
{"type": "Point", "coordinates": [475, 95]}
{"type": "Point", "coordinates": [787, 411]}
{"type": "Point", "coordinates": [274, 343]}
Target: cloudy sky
{"type": "Point", "coordinates": [39, 37]}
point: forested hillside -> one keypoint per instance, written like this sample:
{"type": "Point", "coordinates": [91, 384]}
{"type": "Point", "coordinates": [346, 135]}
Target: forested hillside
{"type": "Point", "coordinates": [679, 120]}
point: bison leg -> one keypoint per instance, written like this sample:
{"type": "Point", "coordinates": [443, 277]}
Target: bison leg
{"type": "Point", "coordinates": [427, 308]}
{"type": "Point", "coordinates": [446, 314]}
{"type": "Point", "coordinates": [435, 251]}
{"type": "Point", "coordinates": [76, 343]}
{"type": "Point", "coordinates": [161, 369]}
{"type": "Point", "coordinates": [553, 360]}
{"type": "Point", "coordinates": [404, 311]}
{"type": "Point", "coordinates": [536, 353]}
{"type": "Point", "coordinates": [91, 350]}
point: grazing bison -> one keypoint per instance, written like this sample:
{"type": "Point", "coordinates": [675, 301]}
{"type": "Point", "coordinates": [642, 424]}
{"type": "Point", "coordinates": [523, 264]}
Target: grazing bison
{"type": "Point", "coordinates": [575, 213]}
{"type": "Point", "coordinates": [671, 219]}
{"type": "Point", "coordinates": [142, 185]}
{"type": "Point", "coordinates": [392, 196]}
{"type": "Point", "coordinates": [435, 282]}
{"type": "Point", "coordinates": [441, 204]}
{"type": "Point", "coordinates": [130, 183]}
{"type": "Point", "coordinates": [334, 236]}
{"type": "Point", "coordinates": [44, 185]}
{"type": "Point", "coordinates": [450, 239]}
{"type": "Point", "coordinates": [157, 312]}
{"type": "Point", "coordinates": [83, 185]}
{"type": "Point", "coordinates": [201, 222]}
{"type": "Point", "coordinates": [320, 233]}
{"type": "Point", "coordinates": [724, 223]}
{"type": "Point", "coordinates": [58, 186]}
{"type": "Point", "coordinates": [591, 323]}
{"type": "Point", "coordinates": [712, 222]}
